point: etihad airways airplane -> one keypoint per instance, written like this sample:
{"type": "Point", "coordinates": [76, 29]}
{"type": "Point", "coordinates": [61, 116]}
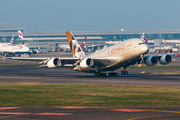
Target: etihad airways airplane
{"type": "Point", "coordinates": [124, 54]}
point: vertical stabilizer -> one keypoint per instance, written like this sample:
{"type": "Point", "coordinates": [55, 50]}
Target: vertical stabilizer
{"type": "Point", "coordinates": [84, 43]}
{"type": "Point", "coordinates": [75, 47]}
{"type": "Point", "coordinates": [147, 40]}
{"type": "Point", "coordinates": [142, 37]}
{"type": "Point", "coordinates": [20, 34]}
{"type": "Point", "coordinates": [12, 39]}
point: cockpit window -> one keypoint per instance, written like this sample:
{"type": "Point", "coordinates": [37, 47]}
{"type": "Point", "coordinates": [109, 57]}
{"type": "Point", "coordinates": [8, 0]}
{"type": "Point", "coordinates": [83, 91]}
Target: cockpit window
{"type": "Point", "coordinates": [141, 43]}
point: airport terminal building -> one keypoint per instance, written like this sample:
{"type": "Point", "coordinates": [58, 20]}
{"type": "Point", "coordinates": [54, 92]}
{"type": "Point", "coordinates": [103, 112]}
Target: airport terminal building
{"type": "Point", "coordinates": [51, 41]}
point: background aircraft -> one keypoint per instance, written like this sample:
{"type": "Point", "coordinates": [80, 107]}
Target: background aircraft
{"type": "Point", "coordinates": [11, 43]}
{"type": "Point", "coordinates": [9, 50]}
{"type": "Point", "coordinates": [124, 54]}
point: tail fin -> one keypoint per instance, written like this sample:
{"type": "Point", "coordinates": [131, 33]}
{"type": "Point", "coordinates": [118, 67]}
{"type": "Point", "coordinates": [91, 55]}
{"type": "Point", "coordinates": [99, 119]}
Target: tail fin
{"type": "Point", "coordinates": [75, 47]}
{"type": "Point", "coordinates": [84, 43]}
{"type": "Point", "coordinates": [12, 39]}
{"type": "Point", "coordinates": [142, 37]}
{"type": "Point", "coordinates": [20, 34]}
{"type": "Point", "coordinates": [147, 40]}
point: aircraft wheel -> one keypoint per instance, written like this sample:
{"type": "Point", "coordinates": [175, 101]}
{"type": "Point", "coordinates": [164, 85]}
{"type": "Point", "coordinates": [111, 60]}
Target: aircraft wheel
{"type": "Point", "coordinates": [126, 72]}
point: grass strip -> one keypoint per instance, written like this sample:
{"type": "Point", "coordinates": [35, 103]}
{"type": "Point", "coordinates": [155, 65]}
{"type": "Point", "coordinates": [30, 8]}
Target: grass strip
{"type": "Point", "coordinates": [58, 94]}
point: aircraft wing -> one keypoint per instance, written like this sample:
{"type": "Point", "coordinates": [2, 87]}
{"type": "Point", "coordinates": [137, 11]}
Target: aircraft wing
{"type": "Point", "coordinates": [29, 58]}
{"type": "Point", "coordinates": [50, 61]}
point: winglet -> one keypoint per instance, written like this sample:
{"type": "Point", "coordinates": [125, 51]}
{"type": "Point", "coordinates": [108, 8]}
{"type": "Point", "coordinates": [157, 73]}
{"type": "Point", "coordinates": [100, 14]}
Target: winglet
{"type": "Point", "coordinates": [74, 46]}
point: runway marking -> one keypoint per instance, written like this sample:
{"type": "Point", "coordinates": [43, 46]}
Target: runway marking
{"type": "Point", "coordinates": [5, 108]}
{"type": "Point", "coordinates": [8, 116]}
{"type": "Point", "coordinates": [72, 107]}
{"type": "Point", "coordinates": [26, 113]}
{"type": "Point", "coordinates": [14, 113]}
{"type": "Point", "coordinates": [152, 116]}
{"type": "Point", "coordinates": [53, 113]}
{"type": "Point", "coordinates": [128, 110]}
{"type": "Point", "coordinates": [165, 111]}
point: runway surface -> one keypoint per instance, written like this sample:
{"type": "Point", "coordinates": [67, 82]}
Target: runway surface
{"type": "Point", "coordinates": [66, 75]}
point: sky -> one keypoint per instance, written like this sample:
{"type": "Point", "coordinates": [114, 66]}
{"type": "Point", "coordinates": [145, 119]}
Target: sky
{"type": "Point", "coordinates": [91, 15]}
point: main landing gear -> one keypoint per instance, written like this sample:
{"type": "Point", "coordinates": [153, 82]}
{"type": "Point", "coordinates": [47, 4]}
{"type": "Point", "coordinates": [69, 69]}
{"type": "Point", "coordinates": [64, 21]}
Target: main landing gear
{"type": "Point", "coordinates": [124, 72]}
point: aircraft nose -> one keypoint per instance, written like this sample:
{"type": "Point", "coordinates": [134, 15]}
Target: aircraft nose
{"type": "Point", "coordinates": [145, 49]}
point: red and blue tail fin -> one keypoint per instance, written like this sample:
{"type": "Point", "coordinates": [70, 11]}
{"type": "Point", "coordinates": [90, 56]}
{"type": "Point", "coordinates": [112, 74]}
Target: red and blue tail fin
{"type": "Point", "coordinates": [12, 39]}
{"type": "Point", "coordinates": [20, 34]}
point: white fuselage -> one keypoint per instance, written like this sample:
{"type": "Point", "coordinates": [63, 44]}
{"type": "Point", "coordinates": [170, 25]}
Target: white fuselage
{"type": "Point", "coordinates": [121, 53]}
{"type": "Point", "coordinates": [14, 49]}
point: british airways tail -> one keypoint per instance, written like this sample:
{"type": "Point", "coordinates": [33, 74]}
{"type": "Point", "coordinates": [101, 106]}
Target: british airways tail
{"type": "Point", "coordinates": [142, 37]}
{"type": "Point", "coordinates": [74, 46]}
{"type": "Point", "coordinates": [20, 34]}
{"type": "Point", "coordinates": [12, 40]}
{"type": "Point", "coordinates": [147, 40]}
{"type": "Point", "coordinates": [84, 43]}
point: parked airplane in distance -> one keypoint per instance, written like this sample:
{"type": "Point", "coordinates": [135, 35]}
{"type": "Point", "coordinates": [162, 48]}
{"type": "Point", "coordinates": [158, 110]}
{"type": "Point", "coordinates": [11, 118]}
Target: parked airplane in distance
{"type": "Point", "coordinates": [9, 50]}
{"type": "Point", "coordinates": [11, 43]}
{"type": "Point", "coordinates": [123, 54]}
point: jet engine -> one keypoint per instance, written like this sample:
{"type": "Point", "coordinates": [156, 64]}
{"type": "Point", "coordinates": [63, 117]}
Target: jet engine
{"type": "Point", "coordinates": [53, 62]}
{"type": "Point", "coordinates": [150, 61]}
{"type": "Point", "coordinates": [87, 62]}
{"type": "Point", "coordinates": [34, 52]}
{"type": "Point", "coordinates": [165, 59]}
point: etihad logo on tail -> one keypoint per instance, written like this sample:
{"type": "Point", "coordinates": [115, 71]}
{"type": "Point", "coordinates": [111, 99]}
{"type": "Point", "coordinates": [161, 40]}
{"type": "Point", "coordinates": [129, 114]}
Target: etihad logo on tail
{"type": "Point", "coordinates": [75, 47]}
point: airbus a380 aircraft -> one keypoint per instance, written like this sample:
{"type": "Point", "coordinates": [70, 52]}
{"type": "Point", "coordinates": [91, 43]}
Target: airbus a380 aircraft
{"type": "Point", "coordinates": [119, 55]}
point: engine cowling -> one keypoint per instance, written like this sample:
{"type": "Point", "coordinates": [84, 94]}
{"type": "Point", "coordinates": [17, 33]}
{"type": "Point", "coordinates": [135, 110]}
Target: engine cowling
{"type": "Point", "coordinates": [53, 62]}
{"type": "Point", "coordinates": [150, 61]}
{"type": "Point", "coordinates": [87, 62]}
{"type": "Point", "coordinates": [34, 52]}
{"type": "Point", "coordinates": [165, 59]}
